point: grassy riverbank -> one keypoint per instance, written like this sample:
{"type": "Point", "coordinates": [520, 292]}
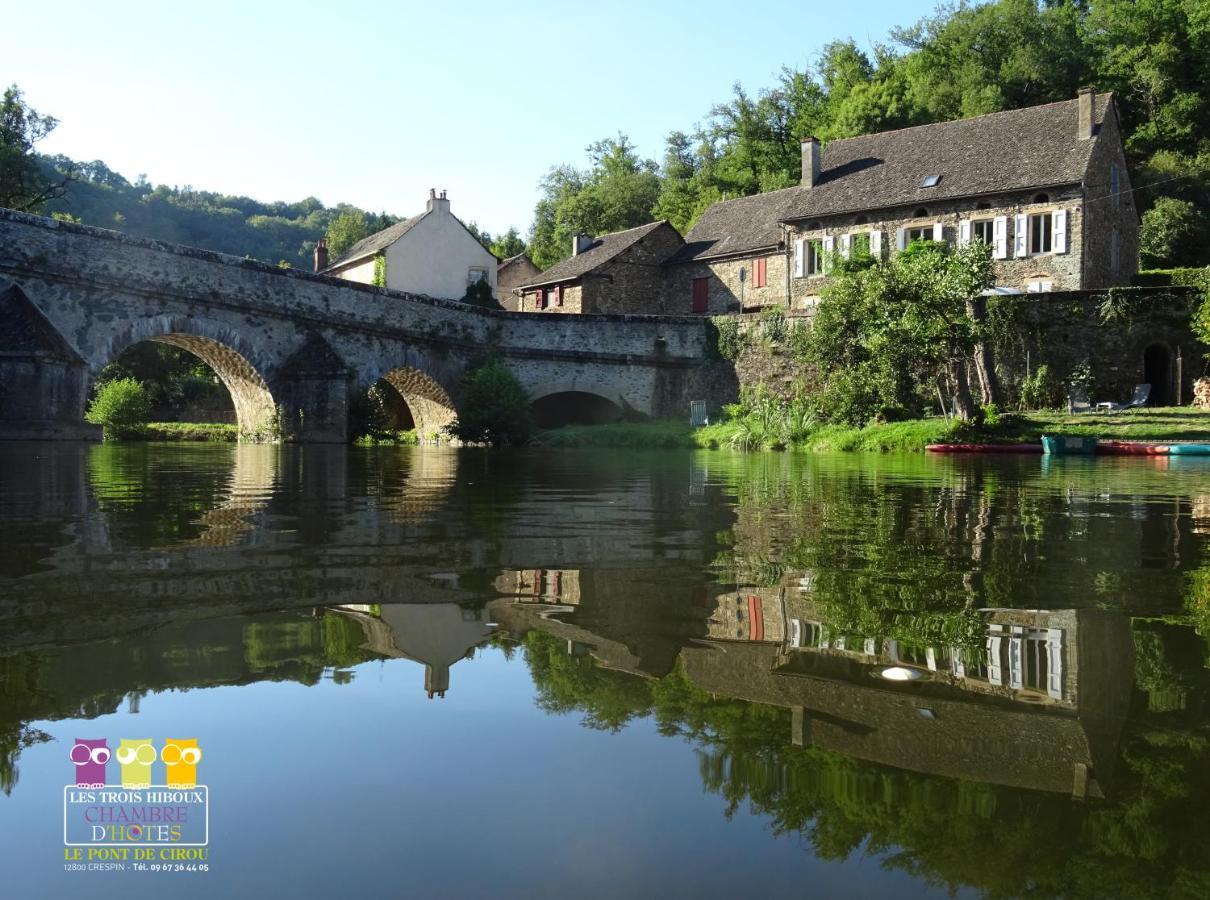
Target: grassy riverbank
{"type": "Point", "coordinates": [215, 432]}
{"type": "Point", "coordinates": [912, 436]}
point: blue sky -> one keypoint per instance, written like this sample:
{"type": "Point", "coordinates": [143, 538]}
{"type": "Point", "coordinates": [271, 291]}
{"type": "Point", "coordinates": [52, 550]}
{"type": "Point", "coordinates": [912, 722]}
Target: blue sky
{"type": "Point", "coordinates": [373, 103]}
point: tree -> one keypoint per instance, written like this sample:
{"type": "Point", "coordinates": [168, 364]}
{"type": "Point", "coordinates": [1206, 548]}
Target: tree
{"type": "Point", "coordinates": [508, 244]}
{"type": "Point", "coordinates": [494, 407]}
{"type": "Point", "coordinates": [1174, 233]}
{"type": "Point", "coordinates": [25, 182]}
{"type": "Point", "coordinates": [346, 230]}
{"type": "Point", "coordinates": [883, 333]}
{"type": "Point", "coordinates": [122, 406]}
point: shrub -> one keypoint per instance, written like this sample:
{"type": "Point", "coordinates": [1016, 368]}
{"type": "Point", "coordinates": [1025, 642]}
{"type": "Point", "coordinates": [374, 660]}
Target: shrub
{"type": "Point", "coordinates": [730, 341]}
{"type": "Point", "coordinates": [121, 406]}
{"type": "Point", "coordinates": [773, 326]}
{"type": "Point", "coordinates": [494, 408]}
{"type": "Point", "coordinates": [1040, 390]}
{"type": "Point", "coordinates": [1173, 232]}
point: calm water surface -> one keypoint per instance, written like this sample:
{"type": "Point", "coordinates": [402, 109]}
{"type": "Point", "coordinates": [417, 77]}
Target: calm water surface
{"type": "Point", "coordinates": [439, 673]}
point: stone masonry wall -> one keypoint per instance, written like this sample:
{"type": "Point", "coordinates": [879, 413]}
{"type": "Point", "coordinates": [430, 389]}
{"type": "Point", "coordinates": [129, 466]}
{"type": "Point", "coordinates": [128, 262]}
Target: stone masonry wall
{"type": "Point", "coordinates": [633, 281]}
{"type": "Point", "coordinates": [727, 293]}
{"type": "Point", "coordinates": [1108, 211]}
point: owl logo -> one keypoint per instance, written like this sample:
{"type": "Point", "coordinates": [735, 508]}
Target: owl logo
{"type": "Point", "coordinates": [136, 756]}
{"type": "Point", "coordinates": [90, 756]}
{"type": "Point", "coordinates": [181, 756]}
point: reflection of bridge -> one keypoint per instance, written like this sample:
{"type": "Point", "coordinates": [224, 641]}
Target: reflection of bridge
{"type": "Point", "coordinates": [73, 297]}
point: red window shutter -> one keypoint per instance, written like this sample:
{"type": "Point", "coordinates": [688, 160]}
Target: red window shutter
{"type": "Point", "coordinates": [558, 295]}
{"type": "Point", "coordinates": [760, 274]}
{"type": "Point", "coordinates": [701, 288]}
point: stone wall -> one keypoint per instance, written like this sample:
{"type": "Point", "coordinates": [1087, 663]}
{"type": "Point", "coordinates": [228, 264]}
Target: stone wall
{"type": "Point", "coordinates": [1107, 212]}
{"type": "Point", "coordinates": [512, 274]}
{"type": "Point", "coordinates": [633, 281]}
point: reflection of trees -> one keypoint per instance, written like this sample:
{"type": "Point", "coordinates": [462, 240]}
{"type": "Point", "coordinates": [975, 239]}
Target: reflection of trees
{"type": "Point", "coordinates": [1149, 841]}
{"type": "Point", "coordinates": [85, 681]}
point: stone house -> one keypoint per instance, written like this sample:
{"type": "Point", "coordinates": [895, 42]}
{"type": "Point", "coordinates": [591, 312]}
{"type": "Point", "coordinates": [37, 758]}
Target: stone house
{"type": "Point", "coordinates": [1046, 186]}
{"type": "Point", "coordinates": [734, 257]}
{"type": "Point", "coordinates": [511, 274]}
{"type": "Point", "coordinates": [431, 253]}
{"type": "Point", "coordinates": [620, 272]}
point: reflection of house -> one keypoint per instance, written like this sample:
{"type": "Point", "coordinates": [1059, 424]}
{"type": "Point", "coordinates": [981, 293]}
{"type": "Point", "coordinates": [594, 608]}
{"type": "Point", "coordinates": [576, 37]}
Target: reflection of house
{"type": "Point", "coordinates": [431, 253]}
{"type": "Point", "coordinates": [541, 585]}
{"type": "Point", "coordinates": [434, 634]}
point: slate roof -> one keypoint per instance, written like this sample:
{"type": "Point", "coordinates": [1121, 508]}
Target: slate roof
{"type": "Point", "coordinates": [505, 263]}
{"type": "Point", "coordinates": [601, 251]}
{"type": "Point", "coordinates": [1020, 149]}
{"type": "Point", "coordinates": [735, 226]}
{"type": "Point", "coordinates": [380, 240]}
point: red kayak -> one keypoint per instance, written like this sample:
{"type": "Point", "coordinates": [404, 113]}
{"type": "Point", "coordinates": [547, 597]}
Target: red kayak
{"type": "Point", "coordinates": [1132, 448]}
{"type": "Point", "coordinates": [984, 448]}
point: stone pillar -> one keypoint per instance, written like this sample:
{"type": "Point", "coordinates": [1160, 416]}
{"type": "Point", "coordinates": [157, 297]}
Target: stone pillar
{"type": "Point", "coordinates": [42, 378]}
{"type": "Point", "coordinates": [313, 393]}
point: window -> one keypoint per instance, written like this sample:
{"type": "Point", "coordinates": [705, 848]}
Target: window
{"type": "Point", "coordinates": [701, 294]}
{"type": "Point", "coordinates": [923, 233]}
{"type": "Point", "coordinates": [814, 257]}
{"type": "Point", "coordinates": [1115, 185]}
{"type": "Point", "coordinates": [983, 204]}
{"type": "Point", "coordinates": [920, 213]}
{"type": "Point", "coordinates": [930, 181]}
{"type": "Point", "coordinates": [859, 244]}
{"type": "Point", "coordinates": [552, 297]}
{"type": "Point", "coordinates": [474, 275]}
{"type": "Point", "coordinates": [982, 230]}
{"type": "Point", "coordinates": [1041, 232]}
{"type": "Point", "coordinates": [759, 273]}
{"type": "Point", "coordinates": [1041, 198]}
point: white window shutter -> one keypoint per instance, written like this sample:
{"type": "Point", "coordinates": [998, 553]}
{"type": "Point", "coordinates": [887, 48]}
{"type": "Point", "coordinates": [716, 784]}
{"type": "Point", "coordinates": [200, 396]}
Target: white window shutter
{"type": "Point", "coordinates": [1000, 237]}
{"type": "Point", "coordinates": [1054, 662]}
{"type": "Point", "coordinates": [876, 244]}
{"type": "Point", "coordinates": [938, 231]}
{"type": "Point", "coordinates": [901, 239]}
{"type": "Point", "coordinates": [1059, 231]}
{"type": "Point", "coordinates": [799, 257]}
{"type": "Point", "coordinates": [846, 242]}
{"type": "Point", "coordinates": [829, 244]}
{"type": "Point", "coordinates": [1021, 236]}
{"type": "Point", "coordinates": [964, 232]}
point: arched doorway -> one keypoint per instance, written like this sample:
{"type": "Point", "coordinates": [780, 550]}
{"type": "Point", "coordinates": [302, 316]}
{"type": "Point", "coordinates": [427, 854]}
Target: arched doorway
{"type": "Point", "coordinates": [574, 408]}
{"type": "Point", "coordinates": [236, 390]}
{"type": "Point", "coordinates": [1157, 372]}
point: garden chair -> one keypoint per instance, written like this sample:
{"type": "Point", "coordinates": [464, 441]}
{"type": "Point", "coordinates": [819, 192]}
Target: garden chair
{"type": "Point", "coordinates": [1077, 400]}
{"type": "Point", "coordinates": [1142, 393]}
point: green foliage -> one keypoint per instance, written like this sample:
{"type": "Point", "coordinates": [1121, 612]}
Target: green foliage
{"type": "Point", "coordinates": [207, 432]}
{"type": "Point", "coordinates": [346, 230]}
{"type": "Point", "coordinates": [176, 381]}
{"type": "Point", "coordinates": [617, 191]}
{"type": "Point", "coordinates": [25, 183]}
{"type": "Point", "coordinates": [380, 271]}
{"type": "Point", "coordinates": [1041, 390]}
{"type": "Point", "coordinates": [480, 294]}
{"type": "Point", "coordinates": [763, 421]}
{"type": "Point", "coordinates": [1173, 233]}
{"type": "Point", "coordinates": [634, 435]}
{"type": "Point", "coordinates": [122, 406]}
{"type": "Point", "coordinates": [494, 407]}
{"type": "Point", "coordinates": [884, 333]}
{"type": "Point", "coordinates": [730, 339]}
{"type": "Point", "coordinates": [773, 326]}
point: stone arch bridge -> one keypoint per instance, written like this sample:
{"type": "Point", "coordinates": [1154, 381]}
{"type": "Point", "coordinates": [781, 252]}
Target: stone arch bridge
{"type": "Point", "coordinates": [293, 347]}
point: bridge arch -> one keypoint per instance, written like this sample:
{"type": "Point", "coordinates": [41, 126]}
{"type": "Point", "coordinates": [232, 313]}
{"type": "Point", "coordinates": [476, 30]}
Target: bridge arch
{"type": "Point", "coordinates": [226, 353]}
{"type": "Point", "coordinates": [574, 407]}
{"type": "Point", "coordinates": [431, 407]}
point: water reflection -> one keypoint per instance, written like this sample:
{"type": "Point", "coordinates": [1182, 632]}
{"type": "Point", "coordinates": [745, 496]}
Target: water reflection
{"type": "Point", "coordinates": [1053, 737]}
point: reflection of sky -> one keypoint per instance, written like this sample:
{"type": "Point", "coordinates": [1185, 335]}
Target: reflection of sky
{"type": "Point", "coordinates": [371, 789]}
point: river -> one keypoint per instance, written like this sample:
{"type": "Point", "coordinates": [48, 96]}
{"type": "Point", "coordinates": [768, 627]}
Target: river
{"type": "Point", "coordinates": [429, 672]}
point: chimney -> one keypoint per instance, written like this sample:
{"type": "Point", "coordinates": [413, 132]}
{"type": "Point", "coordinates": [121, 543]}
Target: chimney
{"type": "Point", "coordinates": [321, 255]}
{"type": "Point", "coordinates": [1088, 101]}
{"type": "Point", "coordinates": [437, 202]}
{"type": "Point", "coordinates": [810, 161]}
{"type": "Point", "coordinates": [580, 243]}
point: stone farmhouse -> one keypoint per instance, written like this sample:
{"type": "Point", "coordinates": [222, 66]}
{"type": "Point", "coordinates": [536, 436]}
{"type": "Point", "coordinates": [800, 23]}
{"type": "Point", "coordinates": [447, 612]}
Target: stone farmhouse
{"type": "Point", "coordinates": [622, 272]}
{"type": "Point", "coordinates": [511, 273]}
{"type": "Point", "coordinates": [1046, 187]}
{"type": "Point", "coordinates": [431, 253]}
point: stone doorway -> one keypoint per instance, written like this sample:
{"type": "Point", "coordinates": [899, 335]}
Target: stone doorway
{"type": "Point", "coordinates": [1157, 371]}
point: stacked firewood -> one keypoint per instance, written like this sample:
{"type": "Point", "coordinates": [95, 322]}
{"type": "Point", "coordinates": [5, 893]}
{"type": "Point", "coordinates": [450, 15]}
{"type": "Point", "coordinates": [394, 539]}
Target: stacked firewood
{"type": "Point", "coordinates": [1201, 393]}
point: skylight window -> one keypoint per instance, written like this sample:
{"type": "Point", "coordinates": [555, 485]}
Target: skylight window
{"type": "Point", "coordinates": [930, 181]}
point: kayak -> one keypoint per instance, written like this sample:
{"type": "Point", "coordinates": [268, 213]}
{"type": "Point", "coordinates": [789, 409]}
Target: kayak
{"type": "Point", "coordinates": [984, 448]}
{"type": "Point", "coordinates": [1136, 448]}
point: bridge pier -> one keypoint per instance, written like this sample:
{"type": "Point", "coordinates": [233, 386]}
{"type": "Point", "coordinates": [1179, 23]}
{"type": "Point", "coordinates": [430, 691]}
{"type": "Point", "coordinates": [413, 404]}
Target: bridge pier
{"type": "Point", "coordinates": [42, 380]}
{"type": "Point", "coordinates": [313, 395]}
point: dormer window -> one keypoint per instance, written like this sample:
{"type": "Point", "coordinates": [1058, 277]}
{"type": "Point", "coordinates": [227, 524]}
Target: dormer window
{"type": "Point", "coordinates": [1042, 198]}
{"type": "Point", "coordinates": [983, 204]}
{"type": "Point", "coordinates": [921, 213]}
{"type": "Point", "coordinates": [929, 181]}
